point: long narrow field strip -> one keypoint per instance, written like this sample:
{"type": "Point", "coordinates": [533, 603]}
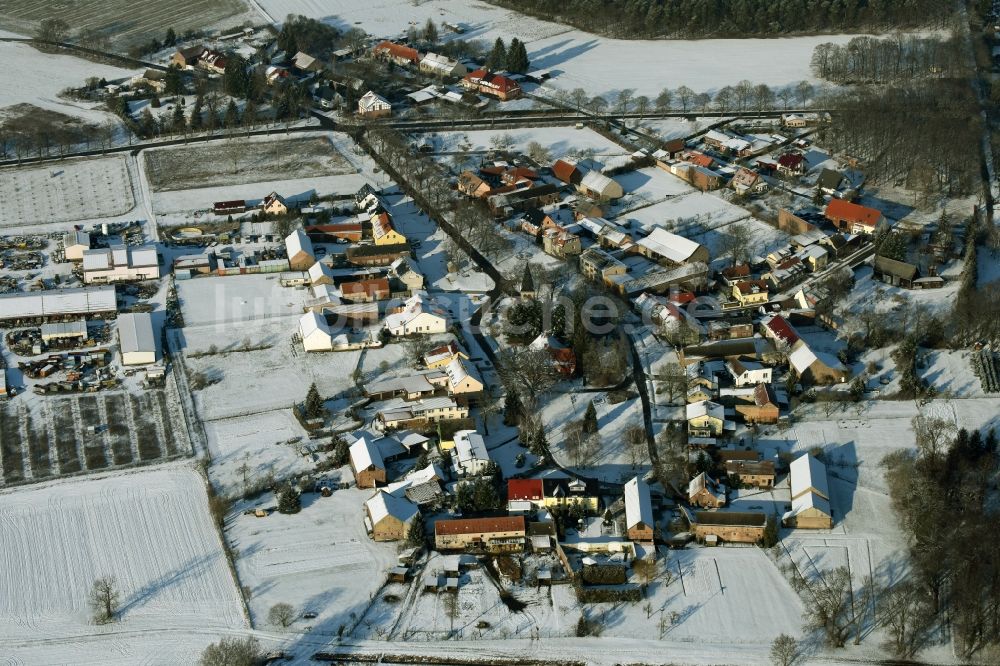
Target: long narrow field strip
{"type": "Point", "coordinates": [125, 22]}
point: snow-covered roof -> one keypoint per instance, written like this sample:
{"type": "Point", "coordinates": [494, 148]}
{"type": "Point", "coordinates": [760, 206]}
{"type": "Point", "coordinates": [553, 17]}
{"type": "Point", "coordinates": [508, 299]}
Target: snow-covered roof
{"type": "Point", "coordinates": [297, 242]}
{"type": "Point", "coordinates": [311, 322]}
{"type": "Point", "coordinates": [143, 256]}
{"type": "Point", "coordinates": [135, 332]}
{"type": "Point", "coordinates": [801, 358]}
{"type": "Point", "coordinates": [808, 501]}
{"type": "Point", "coordinates": [372, 101]}
{"type": "Point", "coordinates": [54, 302]}
{"type": "Point", "coordinates": [638, 506]}
{"type": "Point", "coordinates": [469, 446]}
{"type": "Point", "coordinates": [675, 248]}
{"type": "Point", "coordinates": [808, 473]}
{"type": "Point", "coordinates": [458, 370]}
{"type": "Point", "coordinates": [76, 238]}
{"type": "Point", "coordinates": [382, 505]}
{"type": "Point", "coordinates": [596, 181]}
{"type": "Point", "coordinates": [705, 408]}
{"type": "Point", "coordinates": [96, 260]}
{"type": "Point", "coordinates": [318, 271]}
{"type": "Point", "coordinates": [365, 454]}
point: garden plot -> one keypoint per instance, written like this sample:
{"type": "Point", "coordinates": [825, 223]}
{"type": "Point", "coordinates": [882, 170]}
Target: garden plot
{"type": "Point", "coordinates": [610, 459]}
{"type": "Point", "coordinates": [150, 530]}
{"type": "Point", "coordinates": [45, 438]}
{"type": "Point", "coordinates": [277, 376]}
{"type": "Point", "coordinates": [319, 560]}
{"type": "Point", "coordinates": [72, 190]}
{"type": "Point", "coordinates": [689, 215]}
{"type": "Point", "coordinates": [242, 161]}
{"type": "Point", "coordinates": [261, 442]}
{"type": "Point", "coordinates": [125, 22]}
{"type": "Point", "coordinates": [560, 141]}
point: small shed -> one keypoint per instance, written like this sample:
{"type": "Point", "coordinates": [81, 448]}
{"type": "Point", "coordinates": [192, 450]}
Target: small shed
{"type": "Point", "coordinates": [399, 574]}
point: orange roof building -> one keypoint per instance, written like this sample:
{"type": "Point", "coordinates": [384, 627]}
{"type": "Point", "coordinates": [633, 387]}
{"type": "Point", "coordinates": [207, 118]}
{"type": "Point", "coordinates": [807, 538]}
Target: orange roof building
{"type": "Point", "coordinates": [852, 217]}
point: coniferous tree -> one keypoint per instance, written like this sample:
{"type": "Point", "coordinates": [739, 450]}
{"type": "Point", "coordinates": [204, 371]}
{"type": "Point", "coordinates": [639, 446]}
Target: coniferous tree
{"type": "Point", "coordinates": [497, 59]}
{"type": "Point", "coordinates": [430, 32]}
{"type": "Point", "coordinates": [590, 419]}
{"type": "Point", "coordinates": [289, 500]}
{"type": "Point", "coordinates": [235, 79]}
{"type": "Point", "coordinates": [196, 120]}
{"type": "Point", "coordinates": [512, 408]}
{"type": "Point", "coordinates": [517, 57]}
{"type": "Point", "coordinates": [314, 403]}
{"type": "Point", "coordinates": [172, 82]}
{"type": "Point", "coordinates": [232, 118]}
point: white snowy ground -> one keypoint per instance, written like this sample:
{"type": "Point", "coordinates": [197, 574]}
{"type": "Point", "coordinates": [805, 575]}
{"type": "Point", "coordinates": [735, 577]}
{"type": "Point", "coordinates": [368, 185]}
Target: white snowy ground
{"type": "Point", "coordinates": [65, 192]}
{"type": "Point", "coordinates": [33, 77]}
{"type": "Point", "coordinates": [677, 128]}
{"type": "Point", "coordinates": [152, 531]}
{"type": "Point", "coordinates": [559, 140]}
{"type": "Point", "coordinates": [612, 461]}
{"type": "Point", "coordinates": [319, 559]}
{"type": "Point", "coordinates": [579, 59]}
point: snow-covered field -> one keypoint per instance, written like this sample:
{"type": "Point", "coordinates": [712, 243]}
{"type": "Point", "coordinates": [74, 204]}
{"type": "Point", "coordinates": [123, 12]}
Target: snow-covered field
{"type": "Point", "coordinates": [33, 77]}
{"type": "Point", "coordinates": [151, 530]}
{"type": "Point", "coordinates": [559, 140]}
{"type": "Point", "coordinates": [68, 191]}
{"type": "Point", "coordinates": [677, 128]}
{"type": "Point", "coordinates": [580, 59]}
{"type": "Point", "coordinates": [318, 560]}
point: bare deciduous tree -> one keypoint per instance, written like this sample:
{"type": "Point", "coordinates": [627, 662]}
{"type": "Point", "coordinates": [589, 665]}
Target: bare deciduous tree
{"type": "Point", "coordinates": [104, 599]}
{"type": "Point", "coordinates": [232, 652]}
{"type": "Point", "coordinates": [784, 650]}
{"type": "Point", "coordinates": [281, 615]}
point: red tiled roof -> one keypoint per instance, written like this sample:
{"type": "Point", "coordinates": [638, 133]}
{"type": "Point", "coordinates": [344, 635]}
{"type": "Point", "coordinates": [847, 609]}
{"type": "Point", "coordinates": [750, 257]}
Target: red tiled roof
{"type": "Point", "coordinates": [746, 286]}
{"type": "Point", "coordinates": [399, 51]}
{"type": "Point", "coordinates": [781, 329]}
{"type": "Point", "coordinates": [524, 489]}
{"type": "Point", "coordinates": [790, 160]}
{"type": "Point", "coordinates": [701, 160]}
{"type": "Point", "coordinates": [840, 209]}
{"type": "Point", "coordinates": [563, 170]}
{"type": "Point", "coordinates": [480, 525]}
{"type": "Point", "coordinates": [370, 287]}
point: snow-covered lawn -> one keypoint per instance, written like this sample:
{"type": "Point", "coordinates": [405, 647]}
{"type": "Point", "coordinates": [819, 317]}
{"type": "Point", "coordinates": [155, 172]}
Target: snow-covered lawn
{"type": "Point", "coordinates": [688, 214]}
{"type": "Point", "coordinates": [677, 128]}
{"type": "Point", "coordinates": [231, 299]}
{"type": "Point", "coordinates": [262, 442]}
{"type": "Point", "coordinates": [319, 560]}
{"type": "Point", "coordinates": [611, 460]}
{"type": "Point", "coordinates": [33, 77]}
{"type": "Point", "coordinates": [65, 192]}
{"type": "Point", "coordinates": [150, 530]}
{"type": "Point", "coordinates": [580, 59]}
{"type": "Point", "coordinates": [559, 140]}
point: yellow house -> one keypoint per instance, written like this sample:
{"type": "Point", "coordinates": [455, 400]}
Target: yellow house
{"type": "Point", "coordinates": [549, 493]}
{"type": "Point", "coordinates": [699, 394]}
{"type": "Point", "coordinates": [383, 231]}
{"type": "Point", "coordinates": [463, 378]}
{"type": "Point", "coordinates": [750, 292]}
{"type": "Point", "coordinates": [442, 356]}
{"type": "Point", "coordinates": [705, 419]}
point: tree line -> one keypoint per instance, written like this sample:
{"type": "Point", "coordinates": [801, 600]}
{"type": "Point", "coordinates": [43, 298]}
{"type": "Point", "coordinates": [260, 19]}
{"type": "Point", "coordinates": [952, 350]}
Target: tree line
{"type": "Point", "coordinates": [649, 19]}
{"type": "Point", "coordinates": [898, 58]}
{"type": "Point", "coordinates": [924, 136]}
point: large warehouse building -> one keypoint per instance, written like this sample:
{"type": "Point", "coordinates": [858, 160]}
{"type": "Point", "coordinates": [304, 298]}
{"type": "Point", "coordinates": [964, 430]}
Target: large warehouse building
{"type": "Point", "coordinates": [136, 339]}
{"type": "Point", "coordinates": [58, 304]}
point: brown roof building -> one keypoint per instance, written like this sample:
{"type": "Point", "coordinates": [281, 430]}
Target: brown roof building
{"type": "Point", "coordinates": [501, 534]}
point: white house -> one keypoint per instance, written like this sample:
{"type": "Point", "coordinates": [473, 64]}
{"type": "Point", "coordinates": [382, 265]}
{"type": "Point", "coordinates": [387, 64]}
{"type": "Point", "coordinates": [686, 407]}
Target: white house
{"type": "Point", "coordinates": [470, 456]}
{"type": "Point", "coordinates": [373, 105]}
{"type": "Point", "coordinates": [120, 263]}
{"type": "Point", "coordinates": [317, 335]}
{"type": "Point", "coordinates": [433, 63]}
{"type": "Point", "coordinates": [420, 315]}
{"type": "Point", "coordinates": [639, 521]}
{"type": "Point", "coordinates": [136, 339]}
{"type": "Point", "coordinates": [299, 249]}
{"type": "Point", "coordinates": [748, 373]}
{"type": "Point", "coordinates": [810, 494]}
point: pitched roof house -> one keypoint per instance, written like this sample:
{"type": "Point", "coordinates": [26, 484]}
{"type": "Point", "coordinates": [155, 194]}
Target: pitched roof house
{"type": "Point", "coordinates": [373, 105]}
{"type": "Point", "coordinates": [397, 53]}
{"type": "Point", "coordinates": [705, 492]}
{"type": "Point", "coordinates": [810, 494]}
{"type": "Point", "coordinates": [852, 217]}
{"type": "Point", "coordinates": [639, 522]}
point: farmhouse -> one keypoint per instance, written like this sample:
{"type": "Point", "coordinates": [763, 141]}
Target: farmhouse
{"type": "Point", "coordinates": [439, 65]}
{"type": "Point", "coordinates": [705, 419]}
{"type": "Point", "coordinates": [212, 60]}
{"type": "Point", "coordinates": [376, 255]}
{"type": "Point", "coordinates": [751, 292]}
{"type": "Point", "coordinates": [597, 185]}
{"type": "Point", "coordinates": [75, 243]}
{"type": "Point", "coordinates": [339, 232]}
{"type": "Point", "coordinates": [751, 473]}
{"type": "Point", "coordinates": [396, 53]}
{"type": "Point", "coordinates": [384, 232]}
{"type": "Point", "coordinates": [388, 518]}
{"type": "Point", "coordinates": [494, 535]}
{"type": "Point", "coordinates": [494, 85]}
{"type": "Point", "coordinates": [727, 526]}
{"type": "Point", "coordinates": [669, 249]}
{"type": "Point", "coordinates": [365, 291]}
{"type": "Point", "coordinates": [597, 264]}
{"type": "Point", "coordinates": [470, 457]}
{"type": "Point", "coordinates": [419, 315]}
{"type": "Point", "coordinates": [299, 249]}
{"type": "Point", "coordinates": [810, 494]}
{"type": "Point", "coordinates": [420, 413]}
{"type": "Point", "coordinates": [274, 204]}
{"type": "Point", "coordinates": [567, 172]}
{"type": "Point", "coordinates": [639, 522]}
{"type": "Point", "coordinates": [120, 263]}
{"type": "Point", "coordinates": [705, 492]}
{"type": "Point", "coordinates": [187, 57]}
{"type": "Point", "coordinates": [318, 335]}
{"type": "Point", "coordinates": [367, 463]}
{"type": "Point", "coordinates": [894, 272]}
{"type": "Point", "coordinates": [373, 105]}
{"type": "Point", "coordinates": [762, 409]}
{"type": "Point", "coordinates": [853, 218]}
{"type": "Point", "coordinates": [136, 339]}
{"type": "Point", "coordinates": [817, 367]}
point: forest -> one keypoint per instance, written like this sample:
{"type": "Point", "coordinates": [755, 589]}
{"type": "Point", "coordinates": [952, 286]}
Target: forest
{"type": "Point", "coordinates": [897, 58]}
{"type": "Point", "coordinates": [650, 19]}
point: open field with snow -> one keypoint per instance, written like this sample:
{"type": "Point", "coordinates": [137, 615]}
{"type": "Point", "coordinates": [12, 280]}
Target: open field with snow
{"type": "Point", "coordinates": [318, 560]}
{"type": "Point", "coordinates": [33, 77]}
{"type": "Point", "coordinates": [150, 530]}
{"type": "Point", "coordinates": [580, 59]}
{"type": "Point", "coordinates": [125, 22]}
{"type": "Point", "coordinates": [559, 140]}
{"type": "Point", "coordinates": [66, 192]}
{"type": "Point", "coordinates": [242, 161]}
{"type": "Point", "coordinates": [45, 438]}
{"type": "Point", "coordinates": [242, 383]}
